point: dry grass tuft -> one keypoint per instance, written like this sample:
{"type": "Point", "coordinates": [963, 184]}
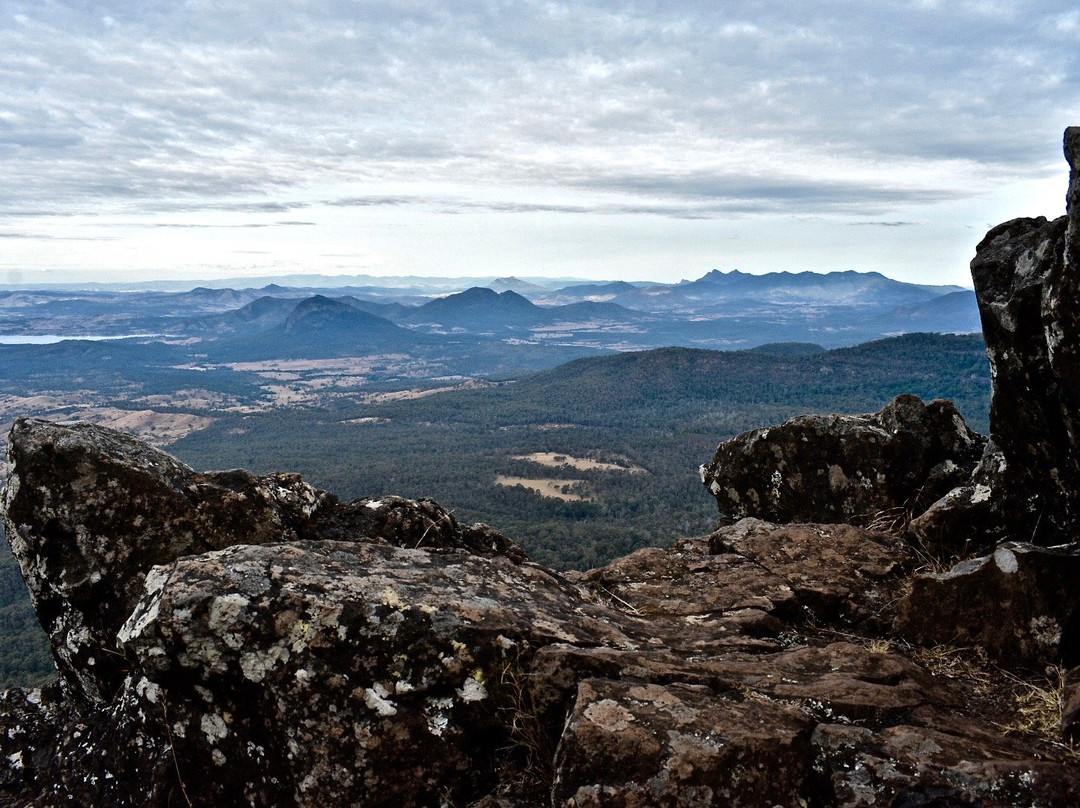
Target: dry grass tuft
{"type": "Point", "coordinates": [1028, 705]}
{"type": "Point", "coordinates": [1039, 704]}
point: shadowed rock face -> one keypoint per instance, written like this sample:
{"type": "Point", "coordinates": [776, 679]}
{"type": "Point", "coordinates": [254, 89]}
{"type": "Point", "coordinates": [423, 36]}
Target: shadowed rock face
{"type": "Point", "coordinates": [1018, 603]}
{"type": "Point", "coordinates": [1027, 281]}
{"type": "Point", "coordinates": [313, 655]}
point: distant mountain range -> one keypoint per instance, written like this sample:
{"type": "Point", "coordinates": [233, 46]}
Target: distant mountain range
{"type": "Point", "coordinates": [720, 310]}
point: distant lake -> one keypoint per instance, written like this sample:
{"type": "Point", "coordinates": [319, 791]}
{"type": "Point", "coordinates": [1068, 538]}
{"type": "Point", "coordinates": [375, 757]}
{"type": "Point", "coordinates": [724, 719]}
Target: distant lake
{"type": "Point", "coordinates": [49, 339]}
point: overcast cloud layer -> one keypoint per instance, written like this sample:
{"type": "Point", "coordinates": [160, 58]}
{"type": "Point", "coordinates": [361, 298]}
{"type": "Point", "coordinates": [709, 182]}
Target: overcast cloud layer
{"type": "Point", "coordinates": [637, 139]}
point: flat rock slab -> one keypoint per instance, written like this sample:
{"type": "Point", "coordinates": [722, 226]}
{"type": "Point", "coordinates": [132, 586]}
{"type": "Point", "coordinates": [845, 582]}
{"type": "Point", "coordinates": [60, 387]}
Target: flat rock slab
{"type": "Point", "coordinates": [324, 673]}
{"type": "Point", "coordinates": [678, 745]}
{"type": "Point", "coordinates": [759, 579]}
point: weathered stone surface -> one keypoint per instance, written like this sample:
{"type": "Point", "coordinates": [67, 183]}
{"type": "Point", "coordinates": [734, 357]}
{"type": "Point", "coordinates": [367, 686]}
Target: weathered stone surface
{"type": "Point", "coordinates": [914, 766]}
{"type": "Point", "coordinates": [1019, 603]}
{"type": "Point", "coordinates": [88, 512]}
{"type": "Point", "coordinates": [57, 753]}
{"type": "Point", "coordinates": [1027, 281]}
{"type": "Point", "coordinates": [1070, 712]}
{"type": "Point", "coordinates": [342, 673]}
{"type": "Point", "coordinates": [757, 579]}
{"type": "Point", "coordinates": [679, 745]}
{"type": "Point", "coordinates": [377, 653]}
{"type": "Point", "coordinates": [840, 681]}
{"type": "Point", "coordinates": [404, 523]}
{"type": "Point", "coordinates": [858, 469]}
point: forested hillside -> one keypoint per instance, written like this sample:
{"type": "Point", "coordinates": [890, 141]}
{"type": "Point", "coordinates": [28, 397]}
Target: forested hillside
{"type": "Point", "coordinates": [25, 659]}
{"type": "Point", "coordinates": [657, 414]}
{"type": "Point", "coordinates": [580, 464]}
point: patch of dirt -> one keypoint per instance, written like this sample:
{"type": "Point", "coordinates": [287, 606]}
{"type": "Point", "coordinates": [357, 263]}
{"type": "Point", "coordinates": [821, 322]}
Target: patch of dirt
{"type": "Point", "coordinates": [554, 489]}
{"type": "Point", "coordinates": [556, 460]}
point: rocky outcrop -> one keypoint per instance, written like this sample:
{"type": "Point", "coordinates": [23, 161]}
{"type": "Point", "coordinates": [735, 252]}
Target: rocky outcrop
{"type": "Point", "coordinates": [881, 468]}
{"type": "Point", "coordinates": [1027, 281]}
{"type": "Point", "coordinates": [1018, 604]}
{"type": "Point", "coordinates": [376, 653]}
{"type": "Point", "coordinates": [89, 511]}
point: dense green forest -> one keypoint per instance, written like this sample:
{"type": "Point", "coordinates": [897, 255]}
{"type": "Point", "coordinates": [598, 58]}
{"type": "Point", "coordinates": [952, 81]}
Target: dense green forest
{"type": "Point", "coordinates": [663, 411]}
{"type": "Point", "coordinates": [25, 659]}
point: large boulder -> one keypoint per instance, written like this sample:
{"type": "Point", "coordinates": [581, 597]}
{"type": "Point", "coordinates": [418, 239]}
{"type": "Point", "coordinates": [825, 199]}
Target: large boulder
{"type": "Point", "coordinates": [335, 673]}
{"type": "Point", "coordinates": [88, 511]}
{"type": "Point", "coordinates": [1027, 281]}
{"type": "Point", "coordinates": [880, 468]}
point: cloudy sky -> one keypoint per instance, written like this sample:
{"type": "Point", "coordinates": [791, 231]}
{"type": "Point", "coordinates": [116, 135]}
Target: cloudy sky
{"type": "Point", "coordinates": [637, 139]}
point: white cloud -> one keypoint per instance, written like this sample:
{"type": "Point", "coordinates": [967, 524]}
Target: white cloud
{"type": "Point", "coordinates": [681, 109]}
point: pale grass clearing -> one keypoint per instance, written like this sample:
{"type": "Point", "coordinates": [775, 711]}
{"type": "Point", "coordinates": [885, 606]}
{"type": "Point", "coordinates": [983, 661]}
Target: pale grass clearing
{"type": "Point", "coordinates": [156, 428]}
{"type": "Point", "coordinates": [348, 364]}
{"type": "Point", "coordinates": [281, 395]}
{"type": "Point", "coordinates": [554, 489]}
{"type": "Point", "coordinates": [13, 406]}
{"type": "Point", "coordinates": [409, 395]}
{"type": "Point", "coordinates": [190, 399]}
{"type": "Point", "coordinates": [556, 460]}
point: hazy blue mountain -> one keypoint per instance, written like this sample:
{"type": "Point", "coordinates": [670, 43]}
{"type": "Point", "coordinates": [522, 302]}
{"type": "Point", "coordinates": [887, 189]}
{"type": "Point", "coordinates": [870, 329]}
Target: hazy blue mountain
{"type": "Point", "coordinates": [479, 309]}
{"type": "Point", "coordinates": [833, 288]}
{"type": "Point", "coordinates": [956, 313]}
{"type": "Point", "coordinates": [319, 327]}
{"type": "Point", "coordinates": [258, 315]}
{"type": "Point", "coordinates": [524, 288]}
{"type": "Point", "coordinates": [589, 310]}
{"type": "Point", "coordinates": [778, 288]}
{"type": "Point", "coordinates": [596, 292]}
{"type": "Point", "coordinates": [395, 312]}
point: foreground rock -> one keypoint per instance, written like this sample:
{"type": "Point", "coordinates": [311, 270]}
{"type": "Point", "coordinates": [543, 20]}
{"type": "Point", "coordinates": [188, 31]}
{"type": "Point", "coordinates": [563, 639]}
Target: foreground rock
{"type": "Point", "coordinates": [313, 655]}
{"type": "Point", "coordinates": [1019, 604]}
{"type": "Point", "coordinates": [89, 511]}
{"type": "Point", "coordinates": [884, 467]}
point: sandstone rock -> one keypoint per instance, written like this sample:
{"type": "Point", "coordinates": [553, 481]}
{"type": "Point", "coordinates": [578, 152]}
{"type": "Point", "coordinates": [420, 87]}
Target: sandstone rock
{"type": "Point", "coordinates": [921, 766]}
{"type": "Point", "coordinates": [405, 523]}
{"type": "Point", "coordinates": [840, 681]}
{"type": "Point", "coordinates": [1019, 603]}
{"type": "Point", "coordinates": [88, 512]}
{"type": "Point", "coordinates": [845, 468]}
{"type": "Point", "coordinates": [759, 579]}
{"type": "Point", "coordinates": [679, 745]}
{"type": "Point", "coordinates": [345, 673]}
{"type": "Point", "coordinates": [1070, 710]}
{"type": "Point", "coordinates": [1027, 281]}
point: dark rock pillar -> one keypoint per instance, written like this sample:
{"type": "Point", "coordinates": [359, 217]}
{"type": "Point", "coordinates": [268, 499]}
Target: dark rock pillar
{"type": "Point", "coordinates": [1027, 279]}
